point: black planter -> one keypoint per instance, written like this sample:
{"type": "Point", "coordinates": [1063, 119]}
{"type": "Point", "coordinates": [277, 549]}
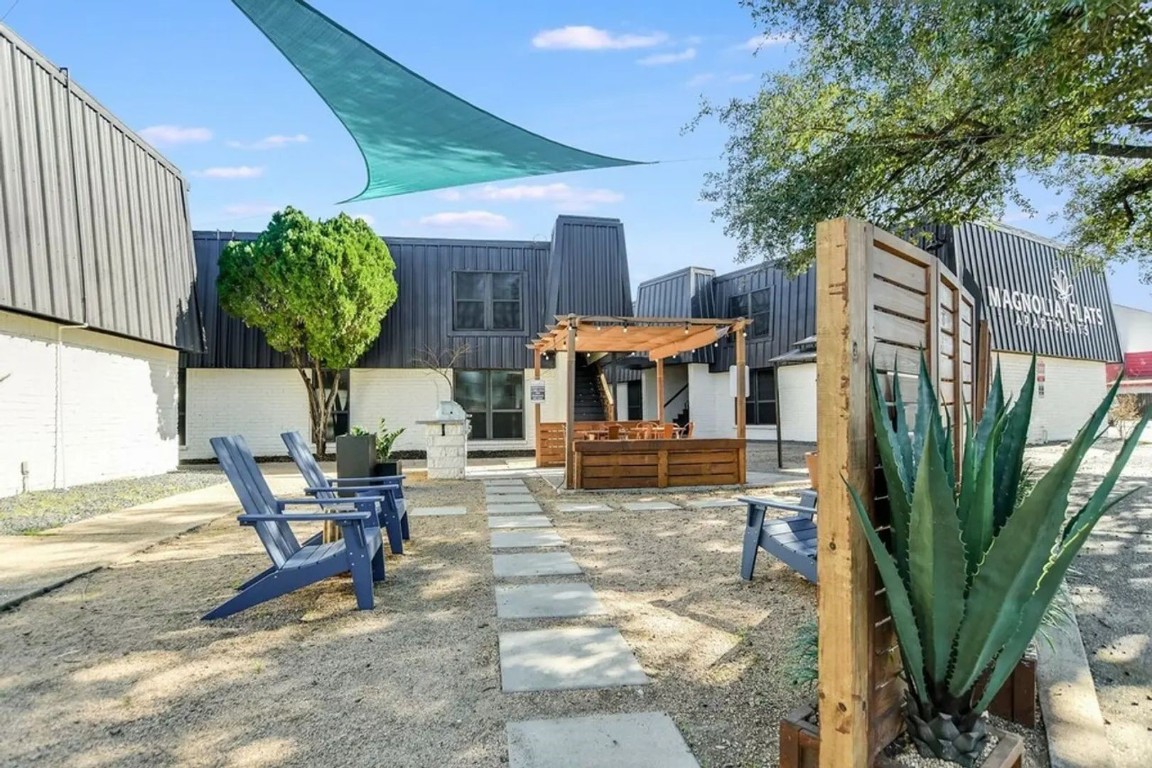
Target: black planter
{"type": "Point", "coordinates": [389, 468]}
{"type": "Point", "coordinates": [355, 455]}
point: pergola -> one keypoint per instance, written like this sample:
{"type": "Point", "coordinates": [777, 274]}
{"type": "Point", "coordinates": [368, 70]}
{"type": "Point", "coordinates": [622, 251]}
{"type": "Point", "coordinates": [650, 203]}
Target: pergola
{"type": "Point", "coordinates": [658, 337]}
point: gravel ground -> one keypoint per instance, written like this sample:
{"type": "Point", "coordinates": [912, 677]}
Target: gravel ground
{"type": "Point", "coordinates": [1111, 585]}
{"type": "Point", "coordinates": [30, 513]}
{"type": "Point", "coordinates": [116, 668]}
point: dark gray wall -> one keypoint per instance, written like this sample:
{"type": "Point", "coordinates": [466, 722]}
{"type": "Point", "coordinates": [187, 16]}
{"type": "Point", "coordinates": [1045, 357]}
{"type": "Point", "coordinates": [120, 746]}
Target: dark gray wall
{"type": "Point", "coordinates": [793, 312]}
{"type": "Point", "coordinates": [685, 293]}
{"type": "Point", "coordinates": [93, 222]}
{"type": "Point", "coordinates": [578, 268]}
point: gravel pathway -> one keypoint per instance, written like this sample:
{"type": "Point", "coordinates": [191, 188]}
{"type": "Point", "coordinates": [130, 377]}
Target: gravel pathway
{"type": "Point", "coordinates": [31, 513]}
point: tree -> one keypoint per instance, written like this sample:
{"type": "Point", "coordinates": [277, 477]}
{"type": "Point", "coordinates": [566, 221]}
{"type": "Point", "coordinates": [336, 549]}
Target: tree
{"type": "Point", "coordinates": [905, 113]}
{"type": "Point", "coordinates": [318, 290]}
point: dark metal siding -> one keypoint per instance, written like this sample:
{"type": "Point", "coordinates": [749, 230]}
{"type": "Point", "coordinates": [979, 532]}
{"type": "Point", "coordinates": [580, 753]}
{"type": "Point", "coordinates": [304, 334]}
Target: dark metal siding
{"type": "Point", "coordinates": [588, 269]}
{"type": "Point", "coordinates": [1009, 260]}
{"type": "Point", "coordinates": [793, 312]}
{"type": "Point", "coordinates": [685, 293]}
{"type": "Point", "coordinates": [93, 222]}
{"type": "Point", "coordinates": [420, 319]}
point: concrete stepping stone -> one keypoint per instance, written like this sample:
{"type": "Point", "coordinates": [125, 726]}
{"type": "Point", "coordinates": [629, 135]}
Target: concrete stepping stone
{"type": "Point", "coordinates": [583, 508]}
{"type": "Point", "coordinates": [650, 506]}
{"type": "Point", "coordinates": [567, 658]}
{"type": "Point", "coordinates": [514, 539]}
{"type": "Point", "coordinates": [512, 498]}
{"type": "Point", "coordinates": [539, 601]}
{"type": "Point", "coordinates": [534, 564]}
{"type": "Point", "coordinates": [519, 521]}
{"type": "Point", "coordinates": [714, 503]}
{"type": "Point", "coordinates": [497, 482]}
{"type": "Point", "coordinates": [437, 511]}
{"type": "Point", "coordinates": [638, 740]}
{"type": "Point", "coordinates": [517, 508]}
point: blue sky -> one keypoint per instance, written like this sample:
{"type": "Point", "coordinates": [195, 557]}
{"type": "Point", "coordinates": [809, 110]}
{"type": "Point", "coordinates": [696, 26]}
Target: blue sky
{"type": "Point", "coordinates": [620, 78]}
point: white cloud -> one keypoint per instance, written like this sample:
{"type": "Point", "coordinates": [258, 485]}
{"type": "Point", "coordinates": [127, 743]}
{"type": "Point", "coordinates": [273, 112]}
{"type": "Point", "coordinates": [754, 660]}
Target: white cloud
{"type": "Point", "coordinates": [562, 195]}
{"type": "Point", "coordinates": [478, 219]}
{"type": "Point", "coordinates": [231, 172]}
{"type": "Point", "coordinates": [175, 134]}
{"type": "Point", "coordinates": [247, 210]}
{"type": "Point", "coordinates": [275, 141]}
{"type": "Point", "coordinates": [702, 79]}
{"type": "Point", "coordinates": [764, 41]}
{"type": "Point", "coordinates": [585, 38]}
{"type": "Point", "coordinates": [743, 77]}
{"type": "Point", "coordinates": [659, 59]}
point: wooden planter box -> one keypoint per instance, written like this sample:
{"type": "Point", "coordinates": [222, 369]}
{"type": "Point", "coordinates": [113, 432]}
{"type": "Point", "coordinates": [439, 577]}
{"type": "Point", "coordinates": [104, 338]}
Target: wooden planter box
{"type": "Point", "coordinates": [1016, 701]}
{"type": "Point", "coordinates": [800, 745]}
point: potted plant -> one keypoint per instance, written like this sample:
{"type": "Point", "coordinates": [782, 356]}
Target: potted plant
{"type": "Point", "coordinates": [385, 439]}
{"type": "Point", "coordinates": [355, 453]}
{"type": "Point", "coordinates": [969, 568]}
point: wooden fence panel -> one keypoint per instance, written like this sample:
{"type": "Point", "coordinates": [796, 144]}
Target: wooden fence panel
{"type": "Point", "coordinates": [884, 300]}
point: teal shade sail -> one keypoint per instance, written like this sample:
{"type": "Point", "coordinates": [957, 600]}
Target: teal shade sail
{"type": "Point", "coordinates": [413, 134]}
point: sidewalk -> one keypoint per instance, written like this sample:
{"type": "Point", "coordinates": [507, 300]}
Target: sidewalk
{"type": "Point", "coordinates": [33, 565]}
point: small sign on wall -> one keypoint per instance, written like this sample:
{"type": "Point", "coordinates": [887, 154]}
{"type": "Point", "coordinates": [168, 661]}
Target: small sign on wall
{"type": "Point", "coordinates": [732, 381]}
{"type": "Point", "coordinates": [536, 391]}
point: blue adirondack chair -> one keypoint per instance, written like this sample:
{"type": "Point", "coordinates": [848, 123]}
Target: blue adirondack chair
{"type": "Point", "coordinates": [791, 539]}
{"type": "Point", "coordinates": [360, 551]}
{"type": "Point", "coordinates": [386, 492]}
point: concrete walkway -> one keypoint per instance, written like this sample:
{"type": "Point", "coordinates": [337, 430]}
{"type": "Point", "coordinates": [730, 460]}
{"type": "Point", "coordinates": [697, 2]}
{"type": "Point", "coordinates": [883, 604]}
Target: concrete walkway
{"type": "Point", "coordinates": [33, 565]}
{"type": "Point", "coordinates": [560, 658]}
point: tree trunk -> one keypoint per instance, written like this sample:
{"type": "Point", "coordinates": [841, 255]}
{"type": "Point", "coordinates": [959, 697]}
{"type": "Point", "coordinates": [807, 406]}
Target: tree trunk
{"type": "Point", "coordinates": [318, 406]}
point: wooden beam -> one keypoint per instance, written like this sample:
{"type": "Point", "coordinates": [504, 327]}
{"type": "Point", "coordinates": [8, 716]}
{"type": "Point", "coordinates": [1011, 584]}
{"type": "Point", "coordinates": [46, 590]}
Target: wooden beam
{"type": "Point", "coordinates": [686, 342]}
{"type": "Point", "coordinates": [536, 406]}
{"type": "Point", "coordinates": [660, 390]}
{"type": "Point", "coordinates": [844, 443]}
{"type": "Point", "coordinates": [570, 418]}
{"type": "Point", "coordinates": [741, 394]}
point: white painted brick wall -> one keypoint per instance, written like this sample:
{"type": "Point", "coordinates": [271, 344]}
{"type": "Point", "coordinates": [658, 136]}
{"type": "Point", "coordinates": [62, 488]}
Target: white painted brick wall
{"type": "Point", "coordinates": [711, 405]}
{"type": "Point", "coordinates": [117, 406]}
{"type": "Point", "coordinates": [258, 404]}
{"type": "Point", "coordinates": [1072, 390]}
{"type": "Point", "coordinates": [797, 407]}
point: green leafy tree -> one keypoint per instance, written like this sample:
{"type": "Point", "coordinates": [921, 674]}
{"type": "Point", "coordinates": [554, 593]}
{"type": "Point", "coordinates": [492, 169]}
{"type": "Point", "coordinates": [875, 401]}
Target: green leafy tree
{"type": "Point", "coordinates": [317, 289]}
{"type": "Point", "coordinates": [910, 112]}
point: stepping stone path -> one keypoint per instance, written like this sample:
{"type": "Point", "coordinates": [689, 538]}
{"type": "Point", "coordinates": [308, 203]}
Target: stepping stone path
{"type": "Point", "coordinates": [715, 503]}
{"type": "Point", "coordinates": [561, 658]}
{"type": "Point", "coordinates": [650, 506]}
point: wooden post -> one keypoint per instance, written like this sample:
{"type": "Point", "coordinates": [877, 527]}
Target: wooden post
{"type": "Point", "coordinates": [536, 406]}
{"type": "Point", "coordinates": [741, 374]}
{"type": "Point", "coordinates": [570, 418]}
{"type": "Point", "coordinates": [845, 447]}
{"type": "Point", "coordinates": [660, 390]}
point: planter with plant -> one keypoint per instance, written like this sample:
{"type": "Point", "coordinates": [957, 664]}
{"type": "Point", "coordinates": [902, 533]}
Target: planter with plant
{"type": "Point", "coordinates": [971, 564]}
{"type": "Point", "coordinates": [386, 466]}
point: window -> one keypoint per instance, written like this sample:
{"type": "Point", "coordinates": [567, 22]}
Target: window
{"type": "Point", "coordinates": [486, 301]}
{"type": "Point", "coordinates": [761, 401]}
{"type": "Point", "coordinates": [495, 402]}
{"type": "Point", "coordinates": [757, 307]}
{"type": "Point", "coordinates": [182, 404]}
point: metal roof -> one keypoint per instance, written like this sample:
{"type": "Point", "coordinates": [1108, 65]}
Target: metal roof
{"type": "Point", "coordinates": [93, 221]}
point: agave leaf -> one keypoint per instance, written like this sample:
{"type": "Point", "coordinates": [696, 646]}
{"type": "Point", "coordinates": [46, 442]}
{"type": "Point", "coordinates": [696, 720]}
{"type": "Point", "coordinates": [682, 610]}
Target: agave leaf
{"type": "Point", "coordinates": [936, 571]}
{"type": "Point", "coordinates": [928, 419]}
{"type": "Point", "coordinates": [1010, 452]}
{"type": "Point", "coordinates": [902, 432]}
{"type": "Point", "coordinates": [888, 444]}
{"type": "Point", "coordinates": [977, 492]}
{"type": "Point", "coordinates": [1053, 576]}
{"type": "Point", "coordinates": [1012, 567]}
{"type": "Point", "coordinates": [903, 618]}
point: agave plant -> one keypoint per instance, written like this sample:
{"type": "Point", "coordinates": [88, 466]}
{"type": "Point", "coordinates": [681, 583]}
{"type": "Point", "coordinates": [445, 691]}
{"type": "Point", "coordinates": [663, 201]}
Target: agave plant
{"type": "Point", "coordinates": [970, 569]}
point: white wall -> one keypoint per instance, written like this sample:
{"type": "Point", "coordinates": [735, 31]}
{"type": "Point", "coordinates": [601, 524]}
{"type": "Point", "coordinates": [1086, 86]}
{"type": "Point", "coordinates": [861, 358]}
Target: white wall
{"type": "Point", "coordinates": [797, 406]}
{"type": "Point", "coordinates": [110, 406]}
{"type": "Point", "coordinates": [1072, 390]}
{"type": "Point", "coordinates": [258, 404]}
{"type": "Point", "coordinates": [620, 390]}
{"type": "Point", "coordinates": [675, 377]}
{"type": "Point", "coordinates": [711, 406]}
{"type": "Point", "coordinates": [1134, 327]}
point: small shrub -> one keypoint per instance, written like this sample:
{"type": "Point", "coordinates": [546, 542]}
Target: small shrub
{"type": "Point", "coordinates": [1126, 410]}
{"type": "Point", "coordinates": [385, 439]}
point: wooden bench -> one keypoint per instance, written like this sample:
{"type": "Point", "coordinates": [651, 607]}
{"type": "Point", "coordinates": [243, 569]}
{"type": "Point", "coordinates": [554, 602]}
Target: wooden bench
{"type": "Point", "coordinates": [791, 540]}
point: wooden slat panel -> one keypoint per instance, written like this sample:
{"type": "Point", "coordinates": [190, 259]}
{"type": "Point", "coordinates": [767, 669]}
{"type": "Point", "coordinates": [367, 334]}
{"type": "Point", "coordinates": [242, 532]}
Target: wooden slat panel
{"type": "Point", "coordinates": [893, 358]}
{"type": "Point", "coordinates": [895, 298]}
{"type": "Point", "coordinates": [899, 271]}
{"type": "Point", "coordinates": [898, 330]}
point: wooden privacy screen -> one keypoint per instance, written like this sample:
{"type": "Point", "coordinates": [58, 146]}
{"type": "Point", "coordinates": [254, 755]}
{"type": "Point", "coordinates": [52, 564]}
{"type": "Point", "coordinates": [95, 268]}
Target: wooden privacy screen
{"type": "Point", "coordinates": [877, 297]}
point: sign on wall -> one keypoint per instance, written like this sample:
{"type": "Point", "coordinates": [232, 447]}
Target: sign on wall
{"type": "Point", "coordinates": [1056, 310]}
{"type": "Point", "coordinates": [536, 391]}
